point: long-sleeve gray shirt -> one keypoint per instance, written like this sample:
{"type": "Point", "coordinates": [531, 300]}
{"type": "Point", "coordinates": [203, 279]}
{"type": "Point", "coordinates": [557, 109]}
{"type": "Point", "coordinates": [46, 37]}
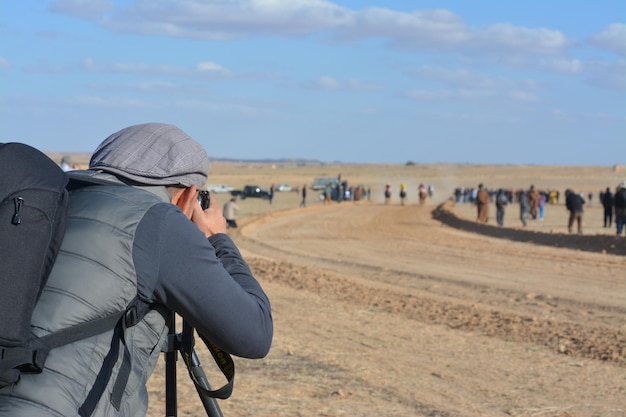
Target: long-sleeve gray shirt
{"type": "Point", "coordinates": [206, 281]}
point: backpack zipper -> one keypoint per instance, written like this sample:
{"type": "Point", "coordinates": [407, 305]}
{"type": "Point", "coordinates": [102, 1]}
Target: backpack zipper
{"type": "Point", "coordinates": [19, 201]}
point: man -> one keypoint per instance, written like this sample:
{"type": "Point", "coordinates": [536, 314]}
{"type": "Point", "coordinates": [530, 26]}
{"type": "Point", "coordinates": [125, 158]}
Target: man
{"type": "Point", "coordinates": [574, 204]}
{"type": "Point", "coordinates": [620, 207]}
{"type": "Point", "coordinates": [501, 202]}
{"type": "Point", "coordinates": [140, 233]}
{"type": "Point", "coordinates": [402, 193]}
{"type": "Point", "coordinates": [67, 164]}
{"type": "Point", "coordinates": [303, 202]}
{"type": "Point", "coordinates": [533, 199]}
{"type": "Point", "coordinates": [230, 209]}
{"type": "Point", "coordinates": [421, 192]}
{"type": "Point", "coordinates": [524, 207]}
{"type": "Point", "coordinates": [482, 204]}
{"type": "Point", "coordinates": [607, 202]}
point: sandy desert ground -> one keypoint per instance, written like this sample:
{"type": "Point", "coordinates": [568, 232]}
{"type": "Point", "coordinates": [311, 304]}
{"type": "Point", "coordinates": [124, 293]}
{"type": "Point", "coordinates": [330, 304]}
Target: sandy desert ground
{"type": "Point", "coordinates": [390, 310]}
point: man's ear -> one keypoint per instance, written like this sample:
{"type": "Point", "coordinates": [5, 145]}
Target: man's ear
{"type": "Point", "coordinates": [185, 198]}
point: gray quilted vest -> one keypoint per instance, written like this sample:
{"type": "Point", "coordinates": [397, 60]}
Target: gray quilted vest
{"type": "Point", "coordinates": [93, 276]}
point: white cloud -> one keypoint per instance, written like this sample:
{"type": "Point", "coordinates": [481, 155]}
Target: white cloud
{"type": "Point", "coordinates": [432, 30]}
{"type": "Point", "coordinates": [211, 67]}
{"type": "Point", "coordinates": [327, 83]}
{"type": "Point", "coordinates": [86, 9]}
{"type": "Point", "coordinates": [560, 115]}
{"type": "Point", "coordinates": [505, 37]}
{"type": "Point", "coordinates": [469, 80]}
{"type": "Point", "coordinates": [133, 68]}
{"type": "Point", "coordinates": [202, 69]}
{"type": "Point", "coordinates": [524, 96]}
{"type": "Point", "coordinates": [219, 19]}
{"type": "Point", "coordinates": [609, 76]}
{"type": "Point", "coordinates": [613, 38]}
{"type": "Point", "coordinates": [48, 68]}
{"type": "Point", "coordinates": [152, 86]}
{"type": "Point", "coordinates": [602, 116]}
{"type": "Point", "coordinates": [471, 95]}
{"type": "Point", "coordinates": [4, 63]}
{"type": "Point", "coordinates": [456, 77]}
{"type": "Point", "coordinates": [441, 29]}
{"type": "Point", "coordinates": [564, 65]}
{"type": "Point", "coordinates": [117, 102]}
{"type": "Point", "coordinates": [430, 95]}
{"type": "Point", "coordinates": [357, 85]}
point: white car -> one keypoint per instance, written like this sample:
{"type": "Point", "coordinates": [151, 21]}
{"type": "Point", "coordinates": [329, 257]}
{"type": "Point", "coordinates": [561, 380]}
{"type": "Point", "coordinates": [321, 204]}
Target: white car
{"type": "Point", "coordinates": [283, 187]}
{"type": "Point", "coordinates": [219, 188]}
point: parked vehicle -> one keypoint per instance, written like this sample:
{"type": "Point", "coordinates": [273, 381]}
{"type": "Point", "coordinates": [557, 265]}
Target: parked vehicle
{"type": "Point", "coordinates": [254, 191]}
{"type": "Point", "coordinates": [283, 187]}
{"type": "Point", "coordinates": [320, 182]}
{"type": "Point", "coordinates": [219, 188]}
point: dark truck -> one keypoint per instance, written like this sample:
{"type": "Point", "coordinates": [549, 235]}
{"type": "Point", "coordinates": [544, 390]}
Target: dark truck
{"type": "Point", "coordinates": [251, 191]}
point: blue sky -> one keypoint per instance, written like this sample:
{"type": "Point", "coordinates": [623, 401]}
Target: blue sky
{"type": "Point", "coordinates": [525, 82]}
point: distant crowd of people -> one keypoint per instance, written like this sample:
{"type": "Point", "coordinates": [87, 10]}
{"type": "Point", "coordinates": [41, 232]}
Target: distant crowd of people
{"type": "Point", "coordinates": [343, 192]}
{"type": "Point", "coordinates": [423, 192]}
{"type": "Point", "coordinates": [532, 203]}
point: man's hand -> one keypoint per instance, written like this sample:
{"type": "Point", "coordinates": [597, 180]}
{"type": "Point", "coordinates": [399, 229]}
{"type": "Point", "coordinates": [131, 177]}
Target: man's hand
{"type": "Point", "coordinates": [211, 220]}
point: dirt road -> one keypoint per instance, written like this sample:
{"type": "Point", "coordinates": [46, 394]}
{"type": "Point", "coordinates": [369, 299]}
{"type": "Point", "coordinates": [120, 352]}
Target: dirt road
{"type": "Point", "coordinates": [386, 311]}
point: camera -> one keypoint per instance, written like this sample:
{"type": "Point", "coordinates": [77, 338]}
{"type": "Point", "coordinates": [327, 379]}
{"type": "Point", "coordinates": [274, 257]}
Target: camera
{"type": "Point", "coordinates": [204, 198]}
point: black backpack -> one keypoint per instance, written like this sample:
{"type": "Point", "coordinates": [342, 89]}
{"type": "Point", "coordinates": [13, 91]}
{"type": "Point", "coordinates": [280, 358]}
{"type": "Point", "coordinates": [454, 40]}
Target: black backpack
{"type": "Point", "coordinates": [33, 208]}
{"type": "Point", "coordinates": [34, 203]}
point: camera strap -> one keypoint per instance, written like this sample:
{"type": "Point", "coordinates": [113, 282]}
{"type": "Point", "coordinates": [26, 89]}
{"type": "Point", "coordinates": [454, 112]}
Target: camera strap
{"type": "Point", "coordinates": [223, 360]}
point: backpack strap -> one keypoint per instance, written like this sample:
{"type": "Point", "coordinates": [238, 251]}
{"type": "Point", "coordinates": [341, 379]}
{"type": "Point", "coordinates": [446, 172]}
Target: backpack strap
{"type": "Point", "coordinates": [31, 358]}
{"type": "Point", "coordinates": [135, 312]}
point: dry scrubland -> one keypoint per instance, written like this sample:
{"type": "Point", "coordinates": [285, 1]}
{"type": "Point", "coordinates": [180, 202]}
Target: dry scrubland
{"type": "Point", "coordinates": [389, 310]}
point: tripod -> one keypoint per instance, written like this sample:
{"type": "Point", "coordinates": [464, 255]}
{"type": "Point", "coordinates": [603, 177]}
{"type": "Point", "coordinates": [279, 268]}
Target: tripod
{"type": "Point", "coordinates": [184, 343]}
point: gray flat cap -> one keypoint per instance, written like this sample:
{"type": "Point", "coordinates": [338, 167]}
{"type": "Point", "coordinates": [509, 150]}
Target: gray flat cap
{"type": "Point", "coordinates": [153, 154]}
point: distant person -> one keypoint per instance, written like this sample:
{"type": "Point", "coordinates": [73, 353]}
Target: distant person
{"type": "Point", "coordinates": [303, 202]}
{"type": "Point", "coordinates": [607, 201]}
{"type": "Point", "coordinates": [327, 193]}
{"type": "Point", "coordinates": [574, 204]}
{"type": "Point", "coordinates": [358, 193]}
{"type": "Point", "coordinates": [387, 193]}
{"type": "Point", "coordinates": [590, 198]}
{"type": "Point", "coordinates": [67, 164]}
{"type": "Point", "coordinates": [533, 198]}
{"type": "Point", "coordinates": [541, 204]}
{"type": "Point", "coordinates": [402, 193]}
{"type": "Point", "coordinates": [524, 207]}
{"type": "Point", "coordinates": [422, 192]}
{"type": "Point", "coordinates": [620, 207]}
{"type": "Point", "coordinates": [430, 190]}
{"type": "Point", "coordinates": [501, 202]}
{"type": "Point", "coordinates": [230, 210]}
{"type": "Point", "coordinates": [271, 193]}
{"type": "Point", "coordinates": [554, 197]}
{"type": "Point", "coordinates": [482, 204]}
